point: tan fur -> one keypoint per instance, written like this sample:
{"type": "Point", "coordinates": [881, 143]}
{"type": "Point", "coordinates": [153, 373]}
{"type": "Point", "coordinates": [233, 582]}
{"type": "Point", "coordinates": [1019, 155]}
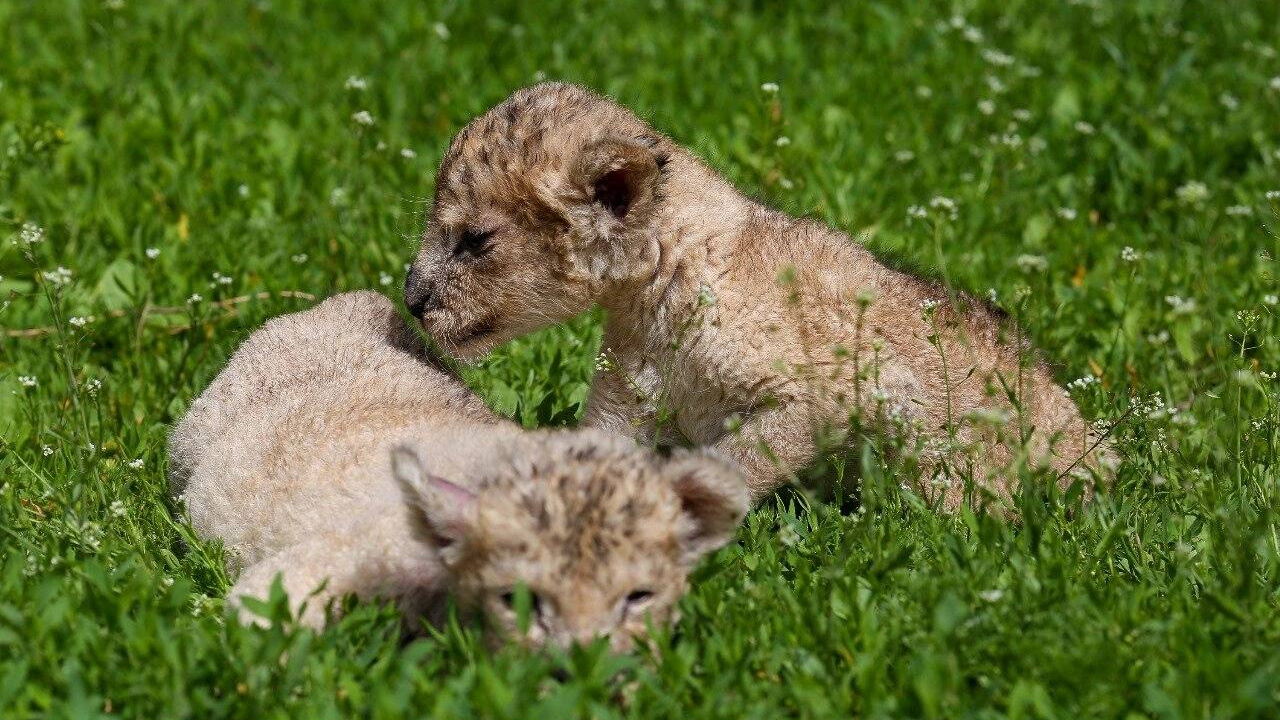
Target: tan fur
{"type": "Point", "coordinates": [331, 452]}
{"type": "Point", "coordinates": [719, 309]}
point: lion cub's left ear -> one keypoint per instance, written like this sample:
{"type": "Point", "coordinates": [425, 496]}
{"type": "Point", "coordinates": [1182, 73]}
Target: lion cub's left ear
{"type": "Point", "coordinates": [713, 499]}
{"type": "Point", "coordinates": [619, 177]}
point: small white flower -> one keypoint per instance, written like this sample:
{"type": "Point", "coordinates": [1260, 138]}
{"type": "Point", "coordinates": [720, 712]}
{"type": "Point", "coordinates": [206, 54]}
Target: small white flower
{"type": "Point", "coordinates": [1275, 83]}
{"type": "Point", "coordinates": [1067, 213]}
{"type": "Point", "coordinates": [1129, 255]}
{"type": "Point", "coordinates": [928, 305]}
{"type": "Point", "coordinates": [91, 448]}
{"type": "Point", "coordinates": [243, 190]}
{"type": "Point", "coordinates": [152, 253]}
{"type": "Point", "coordinates": [904, 156]}
{"type": "Point", "coordinates": [59, 276]}
{"type": "Point", "coordinates": [384, 279]}
{"type": "Point", "coordinates": [946, 205]}
{"type": "Point", "coordinates": [136, 464]}
{"type": "Point", "coordinates": [1084, 128]}
{"type": "Point", "coordinates": [167, 581]}
{"type": "Point", "coordinates": [220, 279]}
{"type": "Point", "coordinates": [991, 595]}
{"type": "Point", "coordinates": [986, 107]}
{"type": "Point", "coordinates": [441, 30]}
{"type": "Point", "coordinates": [1159, 338]}
{"type": "Point", "coordinates": [1011, 140]}
{"type": "Point", "coordinates": [924, 92]}
{"type": "Point", "coordinates": [77, 321]}
{"type": "Point", "coordinates": [195, 298]}
{"type": "Point", "coordinates": [1271, 299]}
{"type": "Point", "coordinates": [1037, 145]}
{"type": "Point", "coordinates": [355, 82]}
{"type": "Point", "coordinates": [917, 212]}
{"type": "Point", "coordinates": [1082, 382]}
{"type": "Point", "coordinates": [995, 85]}
{"type": "Point", "coordinates": [1022, 115]}
{"type": "Point", "coordinates": [31, 234]}
{"type": "Point", "coordinates": [997, 58]}
{"type": "Point", "coordinates": [92, 387]}
{"type": "Point", "coordinates": [782, 141]}
{"type": "Point", "coordinates": [338, 197]}
{"type": "Point", "coordinates": [1229, 101]}
{"type": "Point", "coordinates": [1179, 305]}
{"type": "Point", "coordinates": [769, 87]}
{"type": "Point", "coordinates": [362, 117]}
{"type": "Point", "coordinates": [1273, 195]}
{"type": "Point", "coordinates": [299, 259]}
{"type": "Point", "coordinates": [785, 183]}
{"type": "Point", "coordinates": [1031, 263]}
{"type": "Point", "coordinates": [408, 153]}
{"type": "Point", "coordinates": [117, 509]}
{"type": "Point", "coordinates": [1239, 211]}
{"type": "Point", "coordinates": [45, 450]}
{"type": "Point", "coordinates": [1193, 192]}
{"type": "Point", "coordinates": [27, 381]}
{"type": "Point", "coordinates": [992, 296]}
{"type": "Point", "coordinates": [972, 34]}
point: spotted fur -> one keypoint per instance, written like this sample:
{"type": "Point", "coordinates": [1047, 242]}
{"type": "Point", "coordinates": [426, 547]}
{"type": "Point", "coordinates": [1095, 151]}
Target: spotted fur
{"type": "Point", "coordinates": [720, 310]}
{"type": "Point", "coordinates": [332, 452]}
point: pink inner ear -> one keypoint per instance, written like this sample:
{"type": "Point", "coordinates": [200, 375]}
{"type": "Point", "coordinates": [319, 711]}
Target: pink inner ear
{"type": "Point", "coordinates": [614, 192]}
{"type": "Point", "coordinates": [455, 495]}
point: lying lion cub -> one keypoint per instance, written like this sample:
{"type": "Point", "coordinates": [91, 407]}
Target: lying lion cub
{"type": "Point", "coordinates": [729, 323]}
{"type": "Point", "coordinates": [328, 452]}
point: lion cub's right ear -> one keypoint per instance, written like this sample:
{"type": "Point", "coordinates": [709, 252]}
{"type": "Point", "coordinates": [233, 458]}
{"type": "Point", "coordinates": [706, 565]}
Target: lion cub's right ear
{"type": "Point", "coordinates": [446, 509]}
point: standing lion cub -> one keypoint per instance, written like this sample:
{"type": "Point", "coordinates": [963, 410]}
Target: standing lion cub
{"type": "Point", "coordinates": [331, 454]}
{"type": "Point", "coordinates": [727, 323]}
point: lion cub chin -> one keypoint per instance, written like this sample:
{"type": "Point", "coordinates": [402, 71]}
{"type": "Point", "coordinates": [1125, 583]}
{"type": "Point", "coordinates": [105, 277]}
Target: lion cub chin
{"type": "Point", "coordinates": [742, 328]}
{"type": "Point", "coordinates": [332, 454]}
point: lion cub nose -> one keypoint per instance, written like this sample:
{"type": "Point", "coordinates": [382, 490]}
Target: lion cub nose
{"type": "Point", "coordinates": [417, 294]}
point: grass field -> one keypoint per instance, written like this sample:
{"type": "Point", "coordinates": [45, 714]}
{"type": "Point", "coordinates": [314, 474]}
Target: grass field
{"type": "Point", "coordinates": [1110, 162]}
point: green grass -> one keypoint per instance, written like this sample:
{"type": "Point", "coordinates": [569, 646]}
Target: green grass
{"type": "Point", "coordinates": [221, 134]}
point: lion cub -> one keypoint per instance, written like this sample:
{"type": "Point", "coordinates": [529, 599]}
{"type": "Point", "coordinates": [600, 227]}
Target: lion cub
{"type": "Point", "coordinates": [741, 327]}
{"type": "Point", "coordinates": [330, 453]}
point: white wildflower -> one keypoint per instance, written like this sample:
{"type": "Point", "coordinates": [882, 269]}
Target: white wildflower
{"type": "Point", "coordinates": [1179, 305]}
{"type": "Point", "coordinates": [924, 92]}
{"type": "Point", "coordinates": [1128, 254]}
{"type": "Point", "coordinates": [991, 595]}
{"type": "Point", "coordinates": [384, 279]}
{"type": "Point", "coordinates": [945, 204]}
{"type": "Point", "coordinates": [362, 117]}
{"type": "Point", "coordinates": [1037, 145]}
{"type": "Point", "coordinates": [769, 87]}
{"type": "Point", "coordinates": [45, 450]}
{"type": "Point", "coordinates": [408, 153]}
{"type": "Point", "coordinates": [92, 387]}
{"type": "Point", "coordinates": [997, 58]}
{"type": "Point", "coordinates": [1193, 192]}
{"type": "Point", "coordinates": [355, 82]}
{"type": "Point", "coordinates": [929, 305]}
{"type": "Point", "coordinates": [1031, 263]}
{"type": "Point", "coordinates": [1273, 194]}
{"type": "Point", "coordinates": [1275, 83]}
{"type": "Point", "coordinates": [441, 30]}
{"type": "Point", "coordinates": [1239, 210]}
{"type": "Point", "coordinates": [1159, 338]}
{"type": "Point", "coordinates": [31, 234]}
{"type": "Point", "coordinates": [195, 298]}
{"type": "Point", "coordinates": [782, 141]}
{"type": "Point", "coordinates": [117, 509]}
{"type": "Point", "coordinates": [58, 276]}
{"type": "Point", "coordinates": [299, 259]}
{"type": "Point", "coordinates": [136, 463]}
{"type": "Point", "coordinates": [904, 156]}
{"type": "Point", "coordinates": [1229, 101]}
{"type": "Point", "coordinates": [1271, 299]}
{"type": "Point", "coordinates": [1067, 213]}
{"type": "Point", "coordinates": [1082, 382]}
{"type": "Point", "coordinates": [220, 279]}
{"type": "Point", "coordinates": [992, 296]}
{"type": "Point", "coordinates": [785, 183]}
{"type": "Point", "coordinates": [152, 253]}
{"type": "Point", "coordinates": [77, 321]}
{"type": "Point", "coordinates": [986, 107]}
{"type": "Point", "coordinates": [917, 212]}
{"type": "Point", "coordinates": [1084, 128]}
{"type": "Point", "coordinates": [243, 190]}
{"type": "Point", "coordinates": [1022, 115]}
{"type": "Point", "coordinates": [27, 381]}
{"type": "Point", "coordinates": [972, 34]}
{"type": "Point", "coordinates": [338, 197]}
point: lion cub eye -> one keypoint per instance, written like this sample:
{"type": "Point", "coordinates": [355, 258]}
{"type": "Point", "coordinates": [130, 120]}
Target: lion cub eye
{"type": "Point", "coordinates": [636, 599]}
{"type": "Point", "coordinates": [472, 243]}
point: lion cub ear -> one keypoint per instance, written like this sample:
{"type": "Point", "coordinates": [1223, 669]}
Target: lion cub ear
{"type": "Point", "coordinates": [713, 499]}
{"type": "Point", "coordinates": [619, 178]}
{"type": "Point", "coordinates": [445, 509]}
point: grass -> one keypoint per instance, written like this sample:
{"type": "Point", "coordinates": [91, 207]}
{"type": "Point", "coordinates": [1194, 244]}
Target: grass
{"type": "Point", "coordinates": [221, 135]}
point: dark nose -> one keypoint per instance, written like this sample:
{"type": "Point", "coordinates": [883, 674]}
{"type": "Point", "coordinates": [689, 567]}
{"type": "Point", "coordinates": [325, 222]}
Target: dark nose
{"type": "Point", "coordinates": [417, 293]}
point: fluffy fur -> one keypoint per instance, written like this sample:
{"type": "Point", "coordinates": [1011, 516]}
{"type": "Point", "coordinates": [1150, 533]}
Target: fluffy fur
{"type": "Point", "coordinates": [749, 329]}
{"type": "Point", "coordinates": [331, 452]}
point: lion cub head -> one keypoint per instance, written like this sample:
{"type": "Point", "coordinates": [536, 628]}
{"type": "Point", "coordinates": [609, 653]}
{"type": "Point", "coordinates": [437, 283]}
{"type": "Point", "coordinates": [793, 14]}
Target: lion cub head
{"type": "Point", "coordinates": [575, 535]}
{"type": "Point", "coordinates": [539, 203]}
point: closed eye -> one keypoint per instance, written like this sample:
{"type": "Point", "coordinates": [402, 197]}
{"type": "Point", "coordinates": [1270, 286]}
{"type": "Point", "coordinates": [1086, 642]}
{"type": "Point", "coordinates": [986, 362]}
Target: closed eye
{"type": "Point", "coordinates": [472, 243]}
{"type": "Point", "coordinates": [639, 597]}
